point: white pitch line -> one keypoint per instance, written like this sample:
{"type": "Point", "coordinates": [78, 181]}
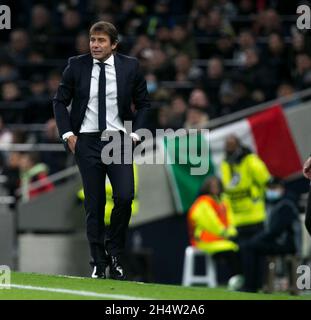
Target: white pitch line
{"type": "Point", "coordinates": [80, 293]}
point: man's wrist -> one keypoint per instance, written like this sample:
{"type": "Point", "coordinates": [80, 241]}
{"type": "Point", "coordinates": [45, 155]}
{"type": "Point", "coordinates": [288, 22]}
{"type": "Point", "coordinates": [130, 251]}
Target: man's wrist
{"type": "Point", "coordinates": [67, 135]}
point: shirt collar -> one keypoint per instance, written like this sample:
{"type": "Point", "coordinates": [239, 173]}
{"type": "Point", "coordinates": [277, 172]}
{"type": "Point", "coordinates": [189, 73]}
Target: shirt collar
{"type": "Point", "coordinates": [109, 61]}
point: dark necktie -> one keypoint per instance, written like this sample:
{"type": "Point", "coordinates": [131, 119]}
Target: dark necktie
{"type": "Point", "coordinates": [102, 98]}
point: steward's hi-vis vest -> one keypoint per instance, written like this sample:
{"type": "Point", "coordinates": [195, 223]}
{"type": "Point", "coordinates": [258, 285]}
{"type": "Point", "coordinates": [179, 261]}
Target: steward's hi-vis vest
{"type": "Point", "coordinates": [207, 221]}
{"type": "Point", "coordinates": [244, 184]}
{"type": "Point", "coordinates": [109, 199]}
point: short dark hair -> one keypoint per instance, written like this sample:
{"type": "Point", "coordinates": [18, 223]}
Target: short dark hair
{"type": "Point", "coordinates": [275, 182]}
{"type": "Point", "coordinates": [206, 186]}
{"type": "Point", "coordinates": [105, 27]}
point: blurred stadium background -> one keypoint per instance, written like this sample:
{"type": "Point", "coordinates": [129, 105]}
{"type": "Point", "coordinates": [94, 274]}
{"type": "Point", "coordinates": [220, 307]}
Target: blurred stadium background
{"type": "Point", "coordinates": [207, 63]}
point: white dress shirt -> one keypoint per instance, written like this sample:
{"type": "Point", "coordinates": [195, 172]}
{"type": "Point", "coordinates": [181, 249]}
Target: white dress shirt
{"type": "Point", "coordinates": [113, 121]}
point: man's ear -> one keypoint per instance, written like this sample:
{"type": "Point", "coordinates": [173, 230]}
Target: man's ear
{"type": "Point", "coordinates": [114, 45]}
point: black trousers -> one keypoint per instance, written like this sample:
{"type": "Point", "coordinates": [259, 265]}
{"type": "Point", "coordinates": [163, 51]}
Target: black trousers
{"type": "Point", "coordinates": [230, 259]}
{"type": "Point", "coordinates": [248, 263]}
{"type": "Point", "coordinates": [88, 155]}
{"type": "Point", "coordinates": [256, 252]}
{"type": "Point", "coordinates": [308, 213]}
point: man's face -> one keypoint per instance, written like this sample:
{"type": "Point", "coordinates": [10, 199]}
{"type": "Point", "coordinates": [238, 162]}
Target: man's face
{"type": "Point", "coordinates": [100, 46]}
{"type": "Point", "coordinates": [231, 145]}
{"type": "Point", "coordinates": [214, 187]}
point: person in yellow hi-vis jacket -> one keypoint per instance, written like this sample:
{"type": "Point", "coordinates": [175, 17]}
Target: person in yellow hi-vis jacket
{"type": "Point", "coordinates": [244, 176]}
{"type": "Point", "coordinates": [211, 226]}
{"type": "Point", "coordinates": [109, 199]}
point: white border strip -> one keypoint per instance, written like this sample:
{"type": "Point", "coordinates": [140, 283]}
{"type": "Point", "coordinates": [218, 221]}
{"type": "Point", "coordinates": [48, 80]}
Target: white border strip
{"type": "Point", "coordinates": [80, 293]}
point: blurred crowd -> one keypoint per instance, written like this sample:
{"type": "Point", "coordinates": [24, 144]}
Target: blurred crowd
{"type": "Point", "coordinates": [202, 59]}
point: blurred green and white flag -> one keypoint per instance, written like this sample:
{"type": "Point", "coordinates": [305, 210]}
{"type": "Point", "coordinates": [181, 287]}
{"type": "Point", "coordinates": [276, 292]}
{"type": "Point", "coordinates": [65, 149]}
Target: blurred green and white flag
{"type": "Point", "coordinates": [188, 163]}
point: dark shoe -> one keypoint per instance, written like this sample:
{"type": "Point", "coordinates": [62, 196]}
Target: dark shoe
{"type": "Point", "coordinates": [99, 272]}
{"type": "Point", "coordinates": [116, 269]}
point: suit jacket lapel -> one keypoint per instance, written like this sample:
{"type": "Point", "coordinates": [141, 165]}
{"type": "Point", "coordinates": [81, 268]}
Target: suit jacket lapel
{"type": "Point", "coordinates": [87, 75]}
{"type": "Point", "coordinates": [120, 79]}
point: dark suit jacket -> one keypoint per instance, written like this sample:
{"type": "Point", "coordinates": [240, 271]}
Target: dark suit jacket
{"type": "Point", "coordinates": [75, 89]}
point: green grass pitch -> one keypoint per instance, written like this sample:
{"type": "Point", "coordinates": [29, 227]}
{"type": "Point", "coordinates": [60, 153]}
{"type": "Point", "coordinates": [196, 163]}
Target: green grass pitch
{"type": "Point", "coordinates": [29, 286]}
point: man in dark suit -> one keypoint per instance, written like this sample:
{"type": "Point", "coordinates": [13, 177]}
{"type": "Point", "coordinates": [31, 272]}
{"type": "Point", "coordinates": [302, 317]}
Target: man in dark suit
{"type": "Point", "coordinates": [307, 174]}
{"type": "Point", "coordinates": [101, 87]}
